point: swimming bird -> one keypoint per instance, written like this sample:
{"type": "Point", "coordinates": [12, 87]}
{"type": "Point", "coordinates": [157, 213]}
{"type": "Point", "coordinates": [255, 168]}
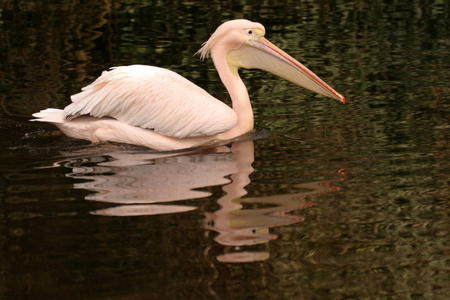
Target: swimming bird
{"type": "Point", "coordinates": [157, 108]}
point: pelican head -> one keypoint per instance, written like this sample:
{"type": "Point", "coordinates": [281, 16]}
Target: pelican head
{"type": "Point", "coordinates": [243, 44]}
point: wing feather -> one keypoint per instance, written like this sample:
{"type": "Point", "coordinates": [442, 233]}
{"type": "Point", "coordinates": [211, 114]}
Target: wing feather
{"type": "Point", "coordinates": [153, 98]}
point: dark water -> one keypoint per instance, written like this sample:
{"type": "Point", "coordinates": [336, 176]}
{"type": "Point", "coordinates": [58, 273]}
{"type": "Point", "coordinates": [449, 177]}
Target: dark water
{"type": "Point", "coordinates": [328, 201]}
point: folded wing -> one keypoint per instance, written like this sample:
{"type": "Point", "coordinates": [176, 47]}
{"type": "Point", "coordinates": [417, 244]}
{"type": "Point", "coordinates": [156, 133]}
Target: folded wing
{"type": "Point", "coordinates": [153, 98]}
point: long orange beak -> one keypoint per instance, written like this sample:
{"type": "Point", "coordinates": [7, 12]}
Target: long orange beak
{"type": "Point", "coordinates": [262, 54]}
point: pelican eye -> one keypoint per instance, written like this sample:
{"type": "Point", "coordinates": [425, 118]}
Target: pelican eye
{"type": "Point", "coordinates": [250, 32]}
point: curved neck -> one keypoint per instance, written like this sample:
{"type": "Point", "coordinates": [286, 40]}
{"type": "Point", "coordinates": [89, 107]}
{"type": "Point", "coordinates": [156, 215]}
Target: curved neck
{"type": "Point", "coordinates": [238, 93]}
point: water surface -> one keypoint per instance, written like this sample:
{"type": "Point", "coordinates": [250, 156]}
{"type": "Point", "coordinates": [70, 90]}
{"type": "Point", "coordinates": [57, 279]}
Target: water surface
{"type": "Point", "coordinates": [325, 201]}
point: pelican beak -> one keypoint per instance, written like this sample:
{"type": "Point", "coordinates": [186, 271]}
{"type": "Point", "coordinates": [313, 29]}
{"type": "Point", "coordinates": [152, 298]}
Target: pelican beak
{"type": "Point", "coordinates": [262, 54]}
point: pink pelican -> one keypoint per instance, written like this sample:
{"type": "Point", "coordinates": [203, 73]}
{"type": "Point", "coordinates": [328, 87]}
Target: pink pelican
{"type": "Point", "coordinates": [159, 109]}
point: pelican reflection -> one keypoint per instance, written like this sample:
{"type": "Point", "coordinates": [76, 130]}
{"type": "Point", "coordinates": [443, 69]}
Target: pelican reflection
{"type": "Point", "coordinates": [147, 183]}
{"type": "Point", "coordinates": [140, 182]}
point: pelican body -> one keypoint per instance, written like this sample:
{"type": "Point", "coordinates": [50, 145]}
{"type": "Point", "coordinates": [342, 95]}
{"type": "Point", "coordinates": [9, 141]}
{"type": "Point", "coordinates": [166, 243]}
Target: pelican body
{"type": "Point", "coordinates": [159, 109]}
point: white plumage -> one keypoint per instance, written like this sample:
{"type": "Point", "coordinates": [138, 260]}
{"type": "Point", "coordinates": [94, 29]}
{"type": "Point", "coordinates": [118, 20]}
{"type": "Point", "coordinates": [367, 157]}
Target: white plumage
{"type": "Point", "coordinates": [145, 96]}
{"type": "Point", "coordinates": [159, 109]}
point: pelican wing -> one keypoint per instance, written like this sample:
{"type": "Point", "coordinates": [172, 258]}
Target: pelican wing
{"type": "Point", "coordinates": [153, 98]}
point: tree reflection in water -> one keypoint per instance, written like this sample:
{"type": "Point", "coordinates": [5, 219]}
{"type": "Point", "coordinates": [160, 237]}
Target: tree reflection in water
{"type": "Point", "coordinates": [141, 182]}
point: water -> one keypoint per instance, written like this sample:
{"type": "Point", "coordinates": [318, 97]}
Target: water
{"type": "Point", "coordinates": [326, 201]}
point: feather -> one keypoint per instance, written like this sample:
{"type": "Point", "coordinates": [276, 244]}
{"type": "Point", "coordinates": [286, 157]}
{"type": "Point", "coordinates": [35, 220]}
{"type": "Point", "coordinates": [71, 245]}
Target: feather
{"type": "Point", "coordinates": [153, 98]}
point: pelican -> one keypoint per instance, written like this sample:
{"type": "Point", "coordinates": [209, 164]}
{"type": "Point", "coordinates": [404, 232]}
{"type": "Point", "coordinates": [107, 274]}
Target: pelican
{"type": "Point", "coordinates": [159, 109]}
